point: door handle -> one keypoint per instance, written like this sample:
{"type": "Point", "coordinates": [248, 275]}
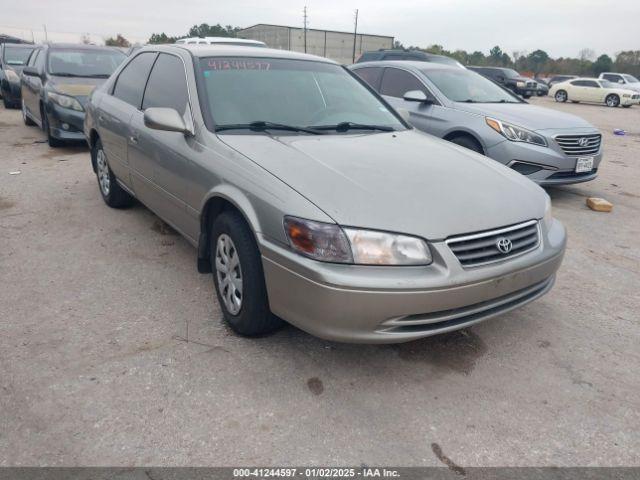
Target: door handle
{"type": "Point", "coordinates": [133, 139]}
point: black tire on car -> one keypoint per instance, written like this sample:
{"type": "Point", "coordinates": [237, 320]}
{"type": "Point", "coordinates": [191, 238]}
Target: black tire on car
{"type": "Point", "coordinates": [612, 100]}
{"type": "Point", "coordinates": [46, 128]}
{"type": "Point", "coordinates": [112, 193]}
{"type": "Point", "coordinates": [7, 104]}
{"type": "Point", "coordinates": [526, 96]}
{"type": "Point", "coordinates": [238, 277]}
{"type": "Point", "coordinates": [25, 118]}
{"type": "Point", "coordinates": [467, 142]}
{"type": "Point", "coordinates": [561, 96]}
{"type": "Point", "coordinates": [626, 106]}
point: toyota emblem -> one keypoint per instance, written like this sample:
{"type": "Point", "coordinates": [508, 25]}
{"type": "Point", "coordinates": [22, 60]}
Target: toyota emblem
{"type": "Point", "coordinates": [504, 245]}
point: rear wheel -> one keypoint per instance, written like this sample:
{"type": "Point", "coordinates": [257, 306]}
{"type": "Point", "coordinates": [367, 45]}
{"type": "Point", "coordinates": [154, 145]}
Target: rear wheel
{"type": "Point", "coordinates": [238, 277]}
{"type": "Point", "coordinates": [112, 193]}
{"type": "Point", "coordinates": [561, 96]}
{"type": "Point", "coordinates": [25, 118]}
{"type": "Point", "coordinates": [612, 100]}
{"type": "Point", "coordinates": [467, 142]}
{"type": "Point", "coordinates": [626, 106]}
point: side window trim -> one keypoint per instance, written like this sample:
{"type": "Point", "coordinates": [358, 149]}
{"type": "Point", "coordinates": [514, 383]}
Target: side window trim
{"type": "Point", "coordinates": [186, 79]}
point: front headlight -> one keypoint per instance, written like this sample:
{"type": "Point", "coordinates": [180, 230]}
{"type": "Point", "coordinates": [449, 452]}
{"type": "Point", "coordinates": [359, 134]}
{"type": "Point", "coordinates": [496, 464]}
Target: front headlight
{"type": "Point", "coordinates": [330, 243]}
{"type": "Point", "coordinates": [12, 76]}
{"type": "Point", "coordinates": [516, 134]}
{"type": "Point", "coordinates": [520, 84]}
{"type": "Point", "coordinates": [65, 101]}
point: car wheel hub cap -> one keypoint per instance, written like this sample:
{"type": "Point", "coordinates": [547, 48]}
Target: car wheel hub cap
{"type": "Point", "coordinates": [229, 273]}
{"type": "Point", "coordinates": [103, 172]}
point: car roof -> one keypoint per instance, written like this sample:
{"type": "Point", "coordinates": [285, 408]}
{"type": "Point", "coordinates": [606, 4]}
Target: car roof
{"type": "Point", "coordinates": [78, 46]}
{"type": "Point", "coordinates": [222, 40]}
{"type": "Point", "coordinates": [220, 50]}
{"type": "Point", "coordinates": [411, 64]}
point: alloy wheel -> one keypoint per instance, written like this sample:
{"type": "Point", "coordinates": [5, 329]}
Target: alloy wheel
{"type": "Point", "coordinates": [103, 173]}
{"type": "Point", "coordinates": [229, 273]}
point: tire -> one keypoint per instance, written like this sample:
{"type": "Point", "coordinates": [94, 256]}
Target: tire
{"type": "Point", "coordinates": [25, 118]}
{"type": "Point", "coordinates": [51, 140]}
{"type": "Point", "coordinates": [612, 100]}
{"type": "Point", "coordinates": [526, 96]}
{"type": "Point", "coordinates": [467, 142]}
{"type": "Point", "coordinates": [626, 106]}
{"type": "Point", "coordinates": [112, 193]}
{"type": "Point", "coordinates": [575, 101]}
{"type": "Point", "coordinates": [561, 96]}
{"type": "Point", "coordinates": [541, 94]}
{"type": "Point", "coordinates": [7, 104]}
{"type": "Point", "coordinates": [241, 292]}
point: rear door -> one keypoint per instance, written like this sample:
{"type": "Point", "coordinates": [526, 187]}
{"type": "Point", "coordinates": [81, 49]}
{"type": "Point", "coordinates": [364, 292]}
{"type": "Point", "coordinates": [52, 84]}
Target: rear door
{"type": "Point", "coordinates": [115, 112]}
{"type": "Point", "coordinates": [28, 82]}
{"type": "Point", "coordinates": [578, 91]}
{"type": "Point", "coordinates": [593, 91]}
{"type": "Point", "coordinates": [161, 160]}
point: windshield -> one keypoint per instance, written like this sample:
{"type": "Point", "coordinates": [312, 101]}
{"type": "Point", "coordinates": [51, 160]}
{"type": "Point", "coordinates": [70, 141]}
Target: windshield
{"type": "Point", "coordinates": [467, 86]}
{"type": "Point", "coordinates": [300, 93]}
{"type": "Point", "coordinates": [630, 78]}
{"type": "Point", "coordinates": [510, 73]}
{"type": "Point", "coordinates": [16, 55]}
{"type": "Point", "coordinates": [84, 62]}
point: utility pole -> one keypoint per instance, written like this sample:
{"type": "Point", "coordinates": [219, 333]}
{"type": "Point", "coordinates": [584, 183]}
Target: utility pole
{"type": "Point", "coordinates": [46, 38]}
{"type": "Point", "coordinates": [355, 36]}
{"type": "Point", "coordinates": [304, 13]}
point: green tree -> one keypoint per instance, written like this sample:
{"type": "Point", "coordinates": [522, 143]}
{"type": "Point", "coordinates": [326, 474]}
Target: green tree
{"type": "Point", "coordinates": [206, 30]}
{"type": "Point", "coordinates": [118, 41]}
{"type": "Point", "coordinates": [603, 63]}
{"type": "Point", "coordinates": [537, 60]}
{"type": "Point", "coordinates": [628, 62]}
{"type": "Point", "coordinates": [159, 38]}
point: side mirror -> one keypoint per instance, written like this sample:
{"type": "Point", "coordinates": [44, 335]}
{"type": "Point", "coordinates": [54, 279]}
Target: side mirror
{"type": "Point", "coordinates": [416, 96]}
{"type": "Point", "coordinates": [31, 72]}
{"type": "Point", "coordinates": [166, 119]}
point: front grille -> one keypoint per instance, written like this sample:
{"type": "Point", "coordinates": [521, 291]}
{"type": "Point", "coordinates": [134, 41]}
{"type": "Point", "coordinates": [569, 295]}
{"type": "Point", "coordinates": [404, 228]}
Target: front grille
{"type": "Point", "coordinates": [570, 144]}
{"type": "Point", "coordinates": [572, 174]}
{"type": "Point", "coordinates": [532, 85]}
{"type": "Point", "coordinates": [482, 248]}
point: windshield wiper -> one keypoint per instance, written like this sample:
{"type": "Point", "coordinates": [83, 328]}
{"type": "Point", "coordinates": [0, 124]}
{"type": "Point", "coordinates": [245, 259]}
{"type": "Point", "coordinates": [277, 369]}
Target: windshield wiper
{"type": "Point", "coordinates": [68, 74]}
{"type": "Point", "coordinates": [261, 126]}
{"type": "Point", "coordinates": [345, 126]}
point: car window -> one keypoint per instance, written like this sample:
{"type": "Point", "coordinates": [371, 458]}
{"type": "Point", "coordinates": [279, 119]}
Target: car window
{"type": "Point", "coordinates": [33, 57]}
{"type": "Point", "coordinates": [611, 77]}
{"type": "Point", "coordinates": [79, 62]}
{"type": "Point", "coordinates": [131, 81]}
{"type": "Point", "coordinates": [16, 55]}
{"type": "Point", "coordinates": [591, 83]}
{"type": "Point", "coordinates": [167, 85]}
{"type": "Point", "coordinates": [630, 78]}
{"type": "Point", "coordinates": [40, 59]}
{"type": "Point", "coordinates": [237, 90]}
{"type": "Point", "coordinates": [394, 56]}
{"type": "Point", "coordinates": [577, 83]}
{"type": "Point", "coordinates": [461, 85]}
{"type": "Point", "coordinates": [396, 82]}
{"type": "Point", "coordinates": [371, 75]}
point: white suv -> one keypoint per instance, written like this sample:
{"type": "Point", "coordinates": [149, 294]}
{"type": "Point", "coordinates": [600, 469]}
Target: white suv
{"type": "Point", "coordinates": [629, 81]}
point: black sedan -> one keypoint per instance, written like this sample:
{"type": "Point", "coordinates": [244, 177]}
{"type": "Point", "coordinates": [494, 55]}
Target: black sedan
{"type": "Point", "coordinates": [57, 82]}
{"type": "Point", "coordinates": [13, 58]}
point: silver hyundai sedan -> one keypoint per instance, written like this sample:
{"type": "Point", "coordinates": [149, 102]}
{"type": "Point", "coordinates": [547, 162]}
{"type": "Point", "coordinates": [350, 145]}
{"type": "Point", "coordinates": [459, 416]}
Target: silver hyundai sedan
{"type": "Point", "coordinates": [312, 201]}
{"type": "Point", "coordinates": [547, 146]}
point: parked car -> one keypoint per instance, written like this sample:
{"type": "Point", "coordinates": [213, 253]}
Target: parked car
{"type": "Point", "coordinates": [56, 83]}
{"type": "Point", "coordinates": [628, 82]}
{"type": "Point", "coordinates": [560, 78]}
{"type": "Point", "coordinates": [594, 91]}
{"type": "Point", "coordinates": [312, 201]}
{"type": "Point", "coordinates": [13, 58]}
{"type": "Point", "coordinates": [467, 109]}
{"type": "Point", "coordinates": [403, 54]}
{"type": "Point", "coordinates": [510, 79]}
{"type": "Point", "coordinates": [542, 89]}
{"type": "Point", "coordinates": [244, 42]}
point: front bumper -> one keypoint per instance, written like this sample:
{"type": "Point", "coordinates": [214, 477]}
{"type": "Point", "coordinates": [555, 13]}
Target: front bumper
{"type": "Point", "coordinates": [367, 304]}
{"type": "Point", "coordinates": [10, 91]}
{"type": "Point", "coordinates": [544, 165]}
{"type": "Point", "coordinates": [59, 118]}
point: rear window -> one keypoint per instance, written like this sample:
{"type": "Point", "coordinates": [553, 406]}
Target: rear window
{"type": "Point", "coordinates": [16, 55]}
{"type": "Point", "coordinates": [131, 81]}
{"type": "Point", "coordinates": [84, 62]}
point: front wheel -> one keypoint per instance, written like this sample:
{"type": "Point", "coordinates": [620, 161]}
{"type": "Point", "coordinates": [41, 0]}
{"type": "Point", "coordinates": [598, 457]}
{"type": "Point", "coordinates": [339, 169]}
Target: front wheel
{"type": "Point", "coordinates": [626, 106]}
{"type": "Point", "coordinates": [561, 96]}
{"type": "Point", "coordinates": [526, 96]}
{"type": "Point", "coordinates": [51, 140]}
{"type": "Point", "coordinates": [612, 100]}
{"type": "Point", "coordinates": [238, 277]}
{"type": "Point", "coordinates": [112, 193]}
{"type": "Point", "coordinates": [25, 118]}
{"type": "Point", "coordinates": [467, 142]}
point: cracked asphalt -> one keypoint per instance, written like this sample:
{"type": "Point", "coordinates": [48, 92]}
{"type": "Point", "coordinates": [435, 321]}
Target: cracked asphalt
{"type": "Point", "coordinates": [113, 352]}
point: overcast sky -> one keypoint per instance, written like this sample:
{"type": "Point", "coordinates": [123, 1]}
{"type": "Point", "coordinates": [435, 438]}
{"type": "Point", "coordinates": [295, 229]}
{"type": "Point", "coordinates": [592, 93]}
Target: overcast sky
{"type": "Point", "coordinates": [561, 27]}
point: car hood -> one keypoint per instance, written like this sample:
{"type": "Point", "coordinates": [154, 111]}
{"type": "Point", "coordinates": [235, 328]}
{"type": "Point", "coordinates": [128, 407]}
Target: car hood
{"type": "Point", "coordinates": [74, 86]}
{"type": "Point", "coordinates": [406, 182]}
{"type": "Point", "coordinates": [525, 115]}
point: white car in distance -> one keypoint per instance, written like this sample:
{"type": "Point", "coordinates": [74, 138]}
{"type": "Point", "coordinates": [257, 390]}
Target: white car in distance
{"type": "Point", "coordinates": [592, 90]}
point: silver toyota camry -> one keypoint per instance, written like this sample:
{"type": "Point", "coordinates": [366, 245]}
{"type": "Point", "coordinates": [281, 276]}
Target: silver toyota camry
{"type": "Point", "coordinates": [312, 201]}
{"type": "Point", "coordinates": [459, 105]}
